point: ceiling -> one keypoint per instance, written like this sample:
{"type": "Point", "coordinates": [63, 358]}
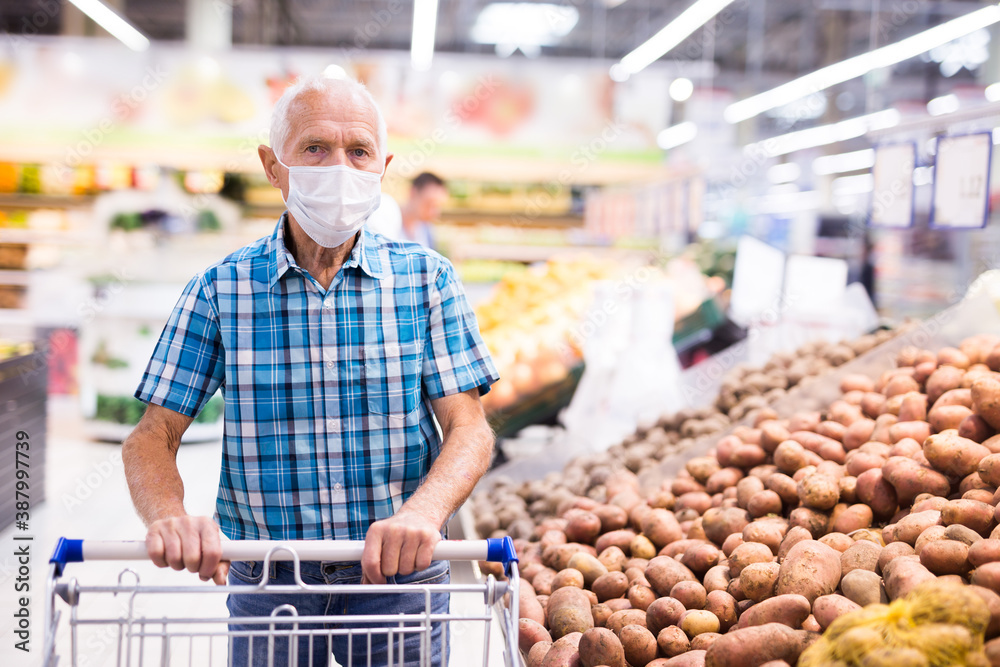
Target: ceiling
{"type": "Point", "coordinates": [757, 43]}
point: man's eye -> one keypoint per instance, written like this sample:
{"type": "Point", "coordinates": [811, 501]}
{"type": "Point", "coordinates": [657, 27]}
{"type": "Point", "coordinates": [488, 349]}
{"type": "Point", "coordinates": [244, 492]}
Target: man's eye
{"type": "Point", "coordinates": [360, 152]}
{"type": "Point", "coordinates": [312, 149]}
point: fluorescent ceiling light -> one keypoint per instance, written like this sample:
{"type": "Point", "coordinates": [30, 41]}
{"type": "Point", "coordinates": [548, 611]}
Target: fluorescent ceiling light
{"type": "Point", "coordinates": [679, 134]}
{"type": "Point", "coordinates": [675, 32]}
{"type": "Point", "coordinates": [844, 162]}
{"type": "Point", "coordinates": [945, 104]}
{"type": "Point", "coordinates": [992, 92]}
{"type": "Point", "coordinates": [853, 185]}
{"type": "Point", "coordinates": [845, 70]}
{"type": "Point", "coordinates": [334, 71]}
{"type": "Point", "coordinates": [523, 25]}
{"type": "Point", "coordinates": [784, 173]}
{"type": "Point", "coordinates": [680, 89]}
{"type": "Point", "coordinates": [785, 203]}
{"type": "Point", "coordinates": [424, 25]}
{"type": "Point", "coordinates": [825, 134]}
{"type": "Point", "coordinates": [105, 17]}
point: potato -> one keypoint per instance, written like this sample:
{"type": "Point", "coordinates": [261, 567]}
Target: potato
{"type": "Point", "coordinates": [600, 646]}
{"type": "Point", "coordinates": [810, 569]}
{"type": "Point", "coordinates": [723, 605]}
{"type": "Point", "coordinates": [863, 587]}
{"type": "Point", "coordinates": [945, 557]}
{"type": "Point", "coordinates": [621, 538]}
{"type": "Point", "coordinates": [757, 580]}
{"type": "Point", "coordinates": [891, 552]}
{"type": "Point", "coordinates": [901, 575]}
{"type": "Point", "coordinates": [690, 659]}
{"type": "Point", "coordinates": [720, 523]}
{"type": "Point", "coordinates": [565, 652]}
{"type": "Point", "coordinates": [583, 526]}
{"type": "Point", "coordinates": [747, 553]}
{"type": "Point", "coordinates": [542, 582]}
{"type": "Point", "coordinates": [768, 531]}
{"type": "Point", "coordinates": [986, 400]}
{"type": "Point", "coordinates": [819, 491]}
{"type": "Point", "coordinates": [664, 573]}
{"type": "Point", "coordinates": [612, 517]}
{"type": "Point", "coordinates": [772, 434]}
{"type": "Point", "coordinates": [536, 656]}
{"type": "Point", "coordinates": [790, 455]}
{"type": "Point", "coordinates": [856, 382]}
{"type": "Point", "coordinates": [942, 380]}
{"type": "Point", "coordinates": [664, 612]}
{"type": "Point", "coordinates": [992, 601]}
{"type": "Point", "coordinates": [910, 479]}
{"type": "Point", "coordinates": [917, 430]}
{"type": "Point", "coordinates": [858, 433]}
{"type": "Point", "coordinates": [954, 455]}
{"type": "Point", "coordinates": [640, 596]}
{"type": "Point", "coordinates": [620, 619]}
{"type": "Point", "coordinates": [530, 633]}
{"type": "Point", "coordinates": [757, 645]}
{"type": "Point", "coordinates": [613, 559]}
{"type": "Point", "coordinates": [528, 605]}
{"type": "Point", "coordinates": [788, 609]}
{"type": "Point", "coordinates": [947, 417]}
{"type": "Point", "coordinates": [661, 527]}
{"type": "Point", "coordinates": [828, 608]}
{"type": "Point", "coordinates": [862, 555]}
{"type": "Point", "coordinates": [698, 621]}
{"type": "Point", "coordinates": [568, 610]}
{"type": "Point", "coordinates": [975, 428]}
{"type": "Point", "coordinates": [984, 551]}
{"type": "Point", "coordinates": [794, 535]}
{"type": "Point", "coordinates": [589, 566]}
{"type": "Point", "coordinates": [700, 558]}
{"type": "Point", "coordinates": [672, 641]}
{"type": "Point", "coordinates": [908, 528]}
{"type": "Point", "coordinates": [987, 575]}
{"type": "Point", "coordinates": [691, 594]}
{"type": "Point", "coordinates": [972, 514]}
{"type": "Point", "coordinates": [717, 578]}
{"type": "Point", "coordinates": [568, 577]}
{"type": "Point", "coordinates": [872, 403]}
{"type": "Point", "coordinates": [812, 520]}
{"type": "Point", "coordinates": [610, 585]}
{"type": "Point", "coordinates": [877, 493]}
{"type": "Point", "coordinates": [855, 517]}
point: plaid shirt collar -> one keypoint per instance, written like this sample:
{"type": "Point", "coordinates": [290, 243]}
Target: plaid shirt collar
{"type": "Point", "coordinates": [364, 255]}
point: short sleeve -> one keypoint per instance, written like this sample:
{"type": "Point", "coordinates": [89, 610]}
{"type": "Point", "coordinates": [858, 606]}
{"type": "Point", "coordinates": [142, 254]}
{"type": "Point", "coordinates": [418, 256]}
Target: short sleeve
{"type": "Point", "coordinates": [455, 356]}
{"type": "Point", "coordinates": [188, 364]}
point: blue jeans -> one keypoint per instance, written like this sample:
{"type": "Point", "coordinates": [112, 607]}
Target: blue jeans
{"type": "Point", "coordinates": [314, 651]}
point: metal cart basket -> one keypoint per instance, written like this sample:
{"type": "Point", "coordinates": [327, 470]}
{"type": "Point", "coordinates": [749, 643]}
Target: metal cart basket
{"type": "Point", "coordinates": [128, 616]}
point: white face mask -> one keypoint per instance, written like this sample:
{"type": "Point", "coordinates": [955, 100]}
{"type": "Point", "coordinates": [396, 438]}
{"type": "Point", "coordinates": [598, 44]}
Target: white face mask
{"type": "Point", "coordinates": [332, 203]}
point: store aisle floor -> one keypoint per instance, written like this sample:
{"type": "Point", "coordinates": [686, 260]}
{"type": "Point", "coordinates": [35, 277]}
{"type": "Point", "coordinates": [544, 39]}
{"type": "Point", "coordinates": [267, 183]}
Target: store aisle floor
{"type": "Point", "coordinates": [87, 497]}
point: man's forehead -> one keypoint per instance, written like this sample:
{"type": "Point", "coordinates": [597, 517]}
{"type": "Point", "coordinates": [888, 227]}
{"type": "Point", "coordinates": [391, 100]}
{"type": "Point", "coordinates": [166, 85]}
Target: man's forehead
{"type": "Point", "coordinates": [339, 106]}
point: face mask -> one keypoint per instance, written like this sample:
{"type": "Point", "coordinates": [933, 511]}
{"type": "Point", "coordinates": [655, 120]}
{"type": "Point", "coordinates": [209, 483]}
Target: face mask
{"type": "Point", "coordinates": [332, 203]}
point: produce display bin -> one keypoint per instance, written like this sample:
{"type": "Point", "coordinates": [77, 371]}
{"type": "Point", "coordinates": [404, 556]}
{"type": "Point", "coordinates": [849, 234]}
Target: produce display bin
{"type": "Point", "coordinates": [540, 407]}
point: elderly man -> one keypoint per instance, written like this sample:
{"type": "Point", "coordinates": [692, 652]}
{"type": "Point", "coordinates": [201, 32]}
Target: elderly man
{"type": "Point", "coordinates": [335, 349]}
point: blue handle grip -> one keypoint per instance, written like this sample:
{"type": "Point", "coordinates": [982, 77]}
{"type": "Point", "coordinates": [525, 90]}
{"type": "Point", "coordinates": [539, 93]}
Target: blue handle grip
{"type": "Point", "coordinates": [501, 550]}
{"type": "Point", "coordinates": [66, 551]}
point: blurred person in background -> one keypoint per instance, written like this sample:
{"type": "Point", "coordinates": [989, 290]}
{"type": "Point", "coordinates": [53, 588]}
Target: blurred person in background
{"type": "Point", "coordinates": [428, 194]}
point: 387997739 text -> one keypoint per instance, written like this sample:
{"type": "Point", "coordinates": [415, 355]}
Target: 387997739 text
{"type": "Point", "coordinates": [22, 541]}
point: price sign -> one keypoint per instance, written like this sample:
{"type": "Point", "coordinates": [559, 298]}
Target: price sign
{"type": "Point", "coordinates": [962, 182]}
{"type": "Point", "coordinates": [892, 195]}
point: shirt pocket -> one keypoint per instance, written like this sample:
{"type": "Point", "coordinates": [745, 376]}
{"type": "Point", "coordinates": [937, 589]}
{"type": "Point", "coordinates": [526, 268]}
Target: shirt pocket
{"type": "Point", "coordinates": [391, 378]}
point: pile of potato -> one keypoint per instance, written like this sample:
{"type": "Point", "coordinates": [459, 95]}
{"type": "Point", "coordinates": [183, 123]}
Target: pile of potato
{"type": "Point", "coordinates": [752, 551]}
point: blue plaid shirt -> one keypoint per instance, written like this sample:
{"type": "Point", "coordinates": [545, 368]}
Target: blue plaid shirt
{"type": "Point", "coordinates": [328, 422]}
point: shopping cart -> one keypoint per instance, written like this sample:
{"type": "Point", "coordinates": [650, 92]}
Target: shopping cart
{"type": "Point", "coordinates": [122, 619]}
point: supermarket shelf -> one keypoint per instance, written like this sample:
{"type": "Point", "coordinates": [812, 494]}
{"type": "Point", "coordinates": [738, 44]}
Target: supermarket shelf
{"type": "Point", "coordinates": [58, 237]}
{"type": "Point", "coordinates": [45, 201]}
{"type": "Point", "coordinates": [537, 253]}
{"type": "Point", "coordinates": [511, 218]}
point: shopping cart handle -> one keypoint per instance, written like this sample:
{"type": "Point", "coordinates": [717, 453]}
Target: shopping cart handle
{"type": "Point", "coordinates": [499, 550]}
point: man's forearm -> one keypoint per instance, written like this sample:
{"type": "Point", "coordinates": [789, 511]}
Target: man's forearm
{"type": "Point", "coordinates": [149, 458]}
{"type": "Point", "coordinates": [465, 457]}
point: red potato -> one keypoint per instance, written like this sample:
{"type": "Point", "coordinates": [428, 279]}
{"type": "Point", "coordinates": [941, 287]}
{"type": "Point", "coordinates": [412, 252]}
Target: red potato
{"type": "Point", "coordinates": [612, 517]}
{"type": "Point", "coordinates": [915, 430]}
{"type": "Point", "coordinates": [528, 605]}
{"type": "Point", "coordinates": [833, 430]}
{"type": "Point", "coordinates": [618, 538]}
{"type": "Point", "coordinates": [689, 659]}
{"type": "Point", "coordinates": [902, 574]}
{"type": "Point", "coordinates": [758, 645]}
{"type": "Point", "coordinates": [986, 400]}
{"type": "Point", "coordinates": [810, 569]}
{"type": "Point", "coordinates": [942, 380]}
{"type": "Point", "coordinates": [530, 633]}
{"type": "Point", "coordinates": [567, 611]}
{"type": "Point", "coordinates": [945, 557]}
{"type": "Point", "coordinates": [856, 382]}
{"type": "Point", "coordinates": [970, 513]}
{"type": "Point", "coordinates": [661, 527]}
{"type": "Point", "coordinates": [720, 523]}
{"type": "Point", "coordinates": [908, 528]}
{"type": "Point", "coordinates": [828, 608]}
{"type": "Point", "coordinates": [947, 417]}
{"type": "Point", "coordinates": [757, 580]}
{"type": "Point", "coordinates": [723, 605]}
{"type": "Point", "coordinates": [672, 641]}
{"type": "Point", "coordinates": [664, 612]}
{"type": "Point", "coordinates": [600, 646]}
{"type": "Point", "coordinates": [855, 517]}
{"type": "Point", "coordinates": [984, 551]}
{"type": "Point", "coordinates": [664, 573]}
{"type": "Point", "coordinates": [975, 428]}
{"type": "Point", "coordinates": [691, 594]}
{"type": "Point", "coordinates": [862, 555]}
{"type": "Point", "coordinates": [912, 407]}
{"type": "Point", "coordinates": [583, 526]}
{"type": "Point", "coordinates": [717, 578]}
{"type": "Point", "coordinates": [790, 609]}
{"type": "Point", "coordinates": [954, 455]}
{"type": "Point", "coordinates": [910, 479]}
{"type": "Point", "coordinates": [536, 656]}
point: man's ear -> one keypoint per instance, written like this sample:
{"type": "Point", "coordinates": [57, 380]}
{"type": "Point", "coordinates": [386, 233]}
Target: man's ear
{"type": "Point", "coordinates": [388, 159]}
{"type": "Point", "coordinates": [270, 164]}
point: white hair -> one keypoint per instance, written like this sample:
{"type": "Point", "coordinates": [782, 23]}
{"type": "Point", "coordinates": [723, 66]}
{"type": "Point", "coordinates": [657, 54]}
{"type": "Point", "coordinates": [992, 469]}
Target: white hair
{"type": "Point", "coordinates": [281, 124]}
